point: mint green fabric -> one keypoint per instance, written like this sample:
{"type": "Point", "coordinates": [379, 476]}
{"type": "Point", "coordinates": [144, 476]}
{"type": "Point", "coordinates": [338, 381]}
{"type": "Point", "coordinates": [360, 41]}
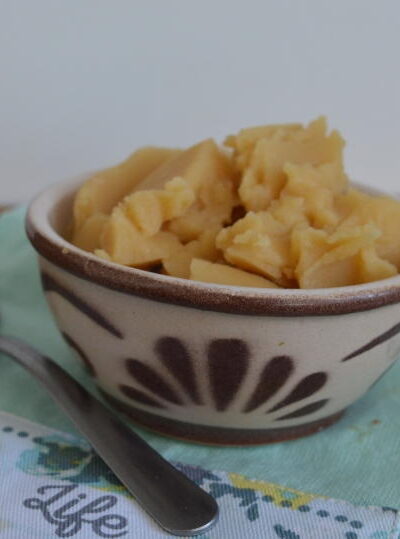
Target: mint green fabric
{"type": "Point", "coordinates": [358, 459]}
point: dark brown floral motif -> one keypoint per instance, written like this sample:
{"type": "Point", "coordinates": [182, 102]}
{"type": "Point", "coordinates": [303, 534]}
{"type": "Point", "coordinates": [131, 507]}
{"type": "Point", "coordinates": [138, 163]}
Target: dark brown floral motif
{"type": "Point", "coordinates": [151, 380]}
{"type": "Point", "coordinates": [305, 388]}
{"type": "Point", "coordinates": [274, 376]}
{"type": "Point", "coordinates": [174, 356]}
{"type": "Point", "coordinates": [78, 349]}
{"type": "Point", "coordinates": [375, 342]}
{"type": "Point", "coordinates": [228, 361]}
{"type": "Point", "coordinates": [139, 396]}
{"type": "Point", "coordinates": [305, 410]}
{"type": "Point", "coordinates": [53, 285]}
{"type": "Point", "coordinates": [228, 364]}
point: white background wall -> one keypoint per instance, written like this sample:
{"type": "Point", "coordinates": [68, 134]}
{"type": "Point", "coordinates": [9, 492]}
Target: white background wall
{"type": "Point", "coordinates": [83, 82]}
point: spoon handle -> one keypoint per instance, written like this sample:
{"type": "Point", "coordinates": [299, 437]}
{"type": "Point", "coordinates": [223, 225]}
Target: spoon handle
{"type": "Point", "coordinates": [174, 501]}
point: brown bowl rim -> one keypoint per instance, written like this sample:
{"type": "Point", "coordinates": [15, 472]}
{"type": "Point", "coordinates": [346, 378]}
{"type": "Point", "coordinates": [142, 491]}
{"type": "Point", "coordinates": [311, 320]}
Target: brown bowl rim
{"type": "Point", "coordinates": [226, 299]}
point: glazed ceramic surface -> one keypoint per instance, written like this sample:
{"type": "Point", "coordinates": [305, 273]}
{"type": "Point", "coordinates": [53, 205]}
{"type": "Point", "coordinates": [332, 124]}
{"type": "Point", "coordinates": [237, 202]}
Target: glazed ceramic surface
{"type": "Point", "coordinates": [210, 363]}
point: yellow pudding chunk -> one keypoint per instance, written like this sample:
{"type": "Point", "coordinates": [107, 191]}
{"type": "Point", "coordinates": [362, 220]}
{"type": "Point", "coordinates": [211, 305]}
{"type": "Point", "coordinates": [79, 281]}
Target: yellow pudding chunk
{"type": "Point", "coordinates": [209, 272]}
{"type": "Point", "coordinates": [177, 263]}
{"type": "Point", "coordinates": [124, 243]}
{"type": "Point", "coordinates": [257, 243]}
{"type": "Point", "coordinates": [88, 236]}
{"type": "Point", "coordinates": [105, 189]}
{"type": "Point", "coordinates": [345, 257]}
{"type": "Point", "coordinates": [263, 161]}
{"type": "Point", "coordinates": [150, 209]}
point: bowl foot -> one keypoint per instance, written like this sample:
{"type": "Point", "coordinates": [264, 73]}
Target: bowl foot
{"type": "Point", "coordinates": [210, 435]}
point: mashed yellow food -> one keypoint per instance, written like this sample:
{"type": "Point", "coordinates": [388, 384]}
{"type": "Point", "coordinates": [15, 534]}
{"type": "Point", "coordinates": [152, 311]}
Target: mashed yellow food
{"type": "Point", "coordinates": [272, 208]}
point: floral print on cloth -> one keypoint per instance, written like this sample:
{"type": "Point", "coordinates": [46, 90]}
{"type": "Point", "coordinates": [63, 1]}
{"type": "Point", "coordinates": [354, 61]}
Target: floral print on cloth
{"type": "Point", "coordinates": [54, 485]}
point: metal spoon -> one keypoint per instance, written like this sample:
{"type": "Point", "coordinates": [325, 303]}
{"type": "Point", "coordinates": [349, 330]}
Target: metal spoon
{"type": "Point", "coordinates": [176, 503]}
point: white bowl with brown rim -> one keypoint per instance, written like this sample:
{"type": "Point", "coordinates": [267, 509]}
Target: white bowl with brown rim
{"type": "Point", "coordinates": [211, 363]}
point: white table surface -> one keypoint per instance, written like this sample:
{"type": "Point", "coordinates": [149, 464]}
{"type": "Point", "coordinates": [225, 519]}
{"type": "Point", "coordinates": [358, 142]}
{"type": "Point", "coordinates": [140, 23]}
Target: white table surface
{"type": "Point", "coordinates": [82, 83]}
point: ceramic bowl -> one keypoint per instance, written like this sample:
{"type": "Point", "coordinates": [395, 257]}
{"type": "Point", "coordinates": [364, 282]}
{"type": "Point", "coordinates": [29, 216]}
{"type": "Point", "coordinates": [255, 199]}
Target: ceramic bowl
{"type": "Point", "coordinates": [210, 363]}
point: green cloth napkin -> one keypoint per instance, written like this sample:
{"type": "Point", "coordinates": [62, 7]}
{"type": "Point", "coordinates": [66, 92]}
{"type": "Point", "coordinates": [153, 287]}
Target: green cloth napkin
{"type": "Point", "coordinates": [357, 459]}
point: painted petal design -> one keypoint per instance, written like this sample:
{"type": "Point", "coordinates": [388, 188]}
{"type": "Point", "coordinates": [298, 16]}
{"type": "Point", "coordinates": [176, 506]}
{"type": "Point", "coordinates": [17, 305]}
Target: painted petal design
{"type": "Point", "coordinates": [51, 285]}
{"type": "Point", "coordinates": [139, 396]}
{"type": "Point", "coordinates": [305, 410]}
{"type": "Point", "coordinates": [174, 356]}
{"type": "Point", "coordinates": [150, 379]}
{"type": "Point", "coordinates": [305, 388]}
{"type": "Point", "coordinates": [73, 344]}
{"type": "Point", "coordinates": [375, 342]}
{"type": "Point", "coordinates": [276, 372]}
{"type": "Point", "coordinates": [227, 365]}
